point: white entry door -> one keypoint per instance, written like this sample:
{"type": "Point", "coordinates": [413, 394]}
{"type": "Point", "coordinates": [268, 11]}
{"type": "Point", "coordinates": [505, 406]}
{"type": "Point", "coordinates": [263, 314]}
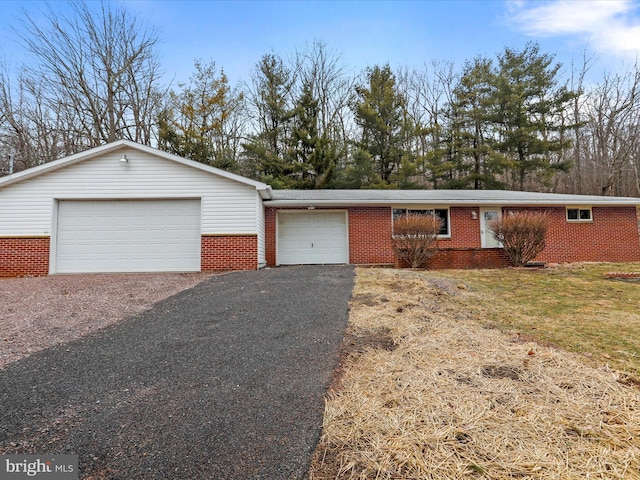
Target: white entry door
{"type": "Point", "coordinates": [486, 236]}
{"type": "Point", "coordinates": [312, 237]}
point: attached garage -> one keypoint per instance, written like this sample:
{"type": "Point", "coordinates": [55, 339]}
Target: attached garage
{"type": "Point", "coordinates": [312, 237]}
{"type": "Point", "coordinates": [125, 207]}
{"type": "Point", "coordinates": [128, 236]}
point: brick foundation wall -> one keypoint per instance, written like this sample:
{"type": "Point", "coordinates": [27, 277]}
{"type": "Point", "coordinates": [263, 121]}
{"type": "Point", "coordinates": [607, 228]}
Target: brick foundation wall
{"type": "Point", "coordinates": [24, 256]}
{"type": "Point", "coordinates": [469, 258]}
{"type": "Point", "coordinates": [612, 236]}
{"type": "Point", "coordinates": [464, 258]}
{"type": "Point", "coordinates": [229, 252]}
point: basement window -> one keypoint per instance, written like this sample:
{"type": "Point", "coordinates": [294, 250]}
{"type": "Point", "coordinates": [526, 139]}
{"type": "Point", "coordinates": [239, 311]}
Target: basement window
{"type": "Point", "coordinates": [443, 213]}
{"type": "Point", "coordinates": [579, 214]}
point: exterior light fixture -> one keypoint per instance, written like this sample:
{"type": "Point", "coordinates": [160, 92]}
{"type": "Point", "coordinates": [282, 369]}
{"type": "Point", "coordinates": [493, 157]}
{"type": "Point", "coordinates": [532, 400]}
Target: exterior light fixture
{"type": "Point", "coordinates": [124, 159]}
{"type": "Point", "coordinates": [474, 215]}
{"type": "Point", "coordinates": [311, 207]}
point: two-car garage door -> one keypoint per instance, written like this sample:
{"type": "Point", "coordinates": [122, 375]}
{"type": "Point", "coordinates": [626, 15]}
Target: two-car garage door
{"type": "Point", "coordinates": [128, 236]}
{"type": "Point", "coordinates": [312, 237]}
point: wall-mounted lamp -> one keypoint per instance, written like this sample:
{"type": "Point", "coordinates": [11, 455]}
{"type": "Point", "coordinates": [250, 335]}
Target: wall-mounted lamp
{"type": "Point", "coordinates": [474, 215]}
{"type": "Point", "coordinates": [311, 207]}
{"type": "Point", "coordinates": [124, 159]}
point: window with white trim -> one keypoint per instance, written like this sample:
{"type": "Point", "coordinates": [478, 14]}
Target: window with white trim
{"type": "Point", "coordinates": [579, 214]}
{"type": "Point", "coordinates": [442, 213]}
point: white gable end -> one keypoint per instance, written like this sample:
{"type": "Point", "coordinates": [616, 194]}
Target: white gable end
{"type": "Point", "coordinates": [27, 208]}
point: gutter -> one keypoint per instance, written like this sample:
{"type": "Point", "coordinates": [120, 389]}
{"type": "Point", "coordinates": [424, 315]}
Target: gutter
{"type": "Point", "coordinates": [444, 202]}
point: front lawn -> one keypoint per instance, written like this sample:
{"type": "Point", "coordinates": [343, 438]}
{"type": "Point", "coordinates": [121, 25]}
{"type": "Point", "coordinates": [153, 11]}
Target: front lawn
{"type": "Point", "coordinates": [572, 306]}
{"type": "Point", "coordinates": [487, 374]}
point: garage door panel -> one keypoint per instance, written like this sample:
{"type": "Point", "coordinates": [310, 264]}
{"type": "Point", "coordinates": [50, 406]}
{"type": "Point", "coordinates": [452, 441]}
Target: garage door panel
{"type": "Point", "coordinates": [128, 236]}
{"type": "Point", "coordinates": [312, 238]}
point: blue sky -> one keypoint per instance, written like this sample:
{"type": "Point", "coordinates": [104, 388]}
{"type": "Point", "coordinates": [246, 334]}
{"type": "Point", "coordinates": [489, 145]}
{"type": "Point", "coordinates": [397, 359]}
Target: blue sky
{"type": "Point", "coordinates": [402, 33]}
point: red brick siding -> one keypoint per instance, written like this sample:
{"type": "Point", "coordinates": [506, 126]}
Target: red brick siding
{"type": "Point", "coordinates": [229, 252]}
{"type": "Point", "coordinates": [370, 230]}
{"type": "Point", "coordinates": [612, 236]}
{"type": "Point", "coordinates": [465, 230]}
{"type": "Point", "coordinates": [270, 236]}
{"type": "Point", "coordinates": [24, 256]}
{"type": "Point", "coordinates": [638, 217]}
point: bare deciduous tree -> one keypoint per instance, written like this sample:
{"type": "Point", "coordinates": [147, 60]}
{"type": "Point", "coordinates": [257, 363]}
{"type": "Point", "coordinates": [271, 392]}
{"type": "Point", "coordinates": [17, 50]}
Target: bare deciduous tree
{"type": "Point", "coordinates": [100, 65]}
{"type": "Point", "coordinates": [613, 113]}
{"type": "Point", "coordinates": [30, 131]}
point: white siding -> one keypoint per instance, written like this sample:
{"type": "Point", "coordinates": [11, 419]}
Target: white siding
{"type": "Point", "coordinates": [228, 207]}
{"type": "Point", "coordinates": [262, 256]}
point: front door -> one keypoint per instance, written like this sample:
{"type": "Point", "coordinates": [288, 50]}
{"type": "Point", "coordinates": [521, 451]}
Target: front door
{"type": "Point", "coordinates": [486, 236]}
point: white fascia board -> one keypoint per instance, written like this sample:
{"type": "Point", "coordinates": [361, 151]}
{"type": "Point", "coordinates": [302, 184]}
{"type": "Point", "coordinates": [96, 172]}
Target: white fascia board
{"type": "Point", "coordinates": [611, 201]}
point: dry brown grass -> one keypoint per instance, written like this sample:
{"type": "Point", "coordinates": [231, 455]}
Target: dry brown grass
{"type": "Point", "coordinates": [427, 392]}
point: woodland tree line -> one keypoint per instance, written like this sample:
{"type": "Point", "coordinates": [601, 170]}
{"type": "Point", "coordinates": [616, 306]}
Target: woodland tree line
{"type": "Point", "coordinates": [515, 121]}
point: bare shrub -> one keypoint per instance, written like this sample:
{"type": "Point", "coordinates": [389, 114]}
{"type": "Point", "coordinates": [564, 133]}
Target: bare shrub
{"type": "Point", "coordinates": [522, 234]}
{"type": "Point", "coordinates": [415, 237]}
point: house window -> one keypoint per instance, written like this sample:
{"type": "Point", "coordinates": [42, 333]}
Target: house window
{"type": "Point", "coordinates": [579, 214]}
{"type": "Point", "coordinates": [442, 213]}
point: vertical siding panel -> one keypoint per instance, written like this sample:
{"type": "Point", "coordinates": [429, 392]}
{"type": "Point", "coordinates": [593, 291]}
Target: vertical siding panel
{"type": "Point", "coordinates": [260, 214]}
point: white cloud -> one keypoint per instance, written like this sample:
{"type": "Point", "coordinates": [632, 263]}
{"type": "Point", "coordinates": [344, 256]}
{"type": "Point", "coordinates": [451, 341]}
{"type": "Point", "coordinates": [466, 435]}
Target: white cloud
{"type": "Point", "coordinates": [610, 26]}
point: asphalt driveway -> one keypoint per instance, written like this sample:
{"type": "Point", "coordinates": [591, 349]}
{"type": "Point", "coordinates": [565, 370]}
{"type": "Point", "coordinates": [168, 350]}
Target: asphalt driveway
{"type": "Point", "coordinates": [222, 381]}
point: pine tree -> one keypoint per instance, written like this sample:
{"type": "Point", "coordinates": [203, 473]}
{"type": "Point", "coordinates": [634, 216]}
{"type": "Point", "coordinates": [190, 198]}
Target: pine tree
{"type": "Point", "coordinates": [197, 125]}
{"type": "Point", "coordinates": [267, 151]}
{"type": "Point", "coordinates": [379, 111]}
{"type": "Point", "coordinates": [312, 153]}
{"type": "Point", "coordinates": [477, 162]}
{"type": "Point", "coordinates": [526, 107]}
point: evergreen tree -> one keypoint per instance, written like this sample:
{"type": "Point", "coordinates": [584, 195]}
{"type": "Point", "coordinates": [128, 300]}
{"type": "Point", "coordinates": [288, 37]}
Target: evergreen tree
{"type": "Point", "coordinates": [379, 111]}
{"type": "Point", "coordinates": [477, 162]}
{"type": "Point", "coordinates": [197, 123]}
{"type": "Point", "coordinates": [526, 106]}
{"type": "Point", "coordinates": [312, 152]}
{"type": "Point", "coordinates": [267, 151]}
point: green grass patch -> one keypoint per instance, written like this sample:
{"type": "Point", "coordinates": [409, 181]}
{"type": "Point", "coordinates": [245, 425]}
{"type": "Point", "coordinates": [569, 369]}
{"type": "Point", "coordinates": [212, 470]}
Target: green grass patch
{"type": "Point", "coordinates": [572, 306]}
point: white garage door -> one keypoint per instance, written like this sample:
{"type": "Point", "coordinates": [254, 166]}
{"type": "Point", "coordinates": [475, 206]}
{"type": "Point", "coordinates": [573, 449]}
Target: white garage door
{"type": "Point", "coordinates": [128, 236]}
{"type": "Point", "coordinates": [312, 238]}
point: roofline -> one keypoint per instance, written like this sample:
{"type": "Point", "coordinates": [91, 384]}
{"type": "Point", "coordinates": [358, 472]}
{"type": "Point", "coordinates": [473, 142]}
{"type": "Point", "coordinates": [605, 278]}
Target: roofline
{"type": "Point", "coordinates": [263, 189]}
{"type": "Point", "coordinates": [622, 201]}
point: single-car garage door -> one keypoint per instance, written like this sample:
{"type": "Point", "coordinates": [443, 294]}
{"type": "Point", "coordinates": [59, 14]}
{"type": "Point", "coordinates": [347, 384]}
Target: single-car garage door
{"type": "Point", "coordinates": [312, 237]}
{"type": "Point", "coordinates": [128, 236]}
